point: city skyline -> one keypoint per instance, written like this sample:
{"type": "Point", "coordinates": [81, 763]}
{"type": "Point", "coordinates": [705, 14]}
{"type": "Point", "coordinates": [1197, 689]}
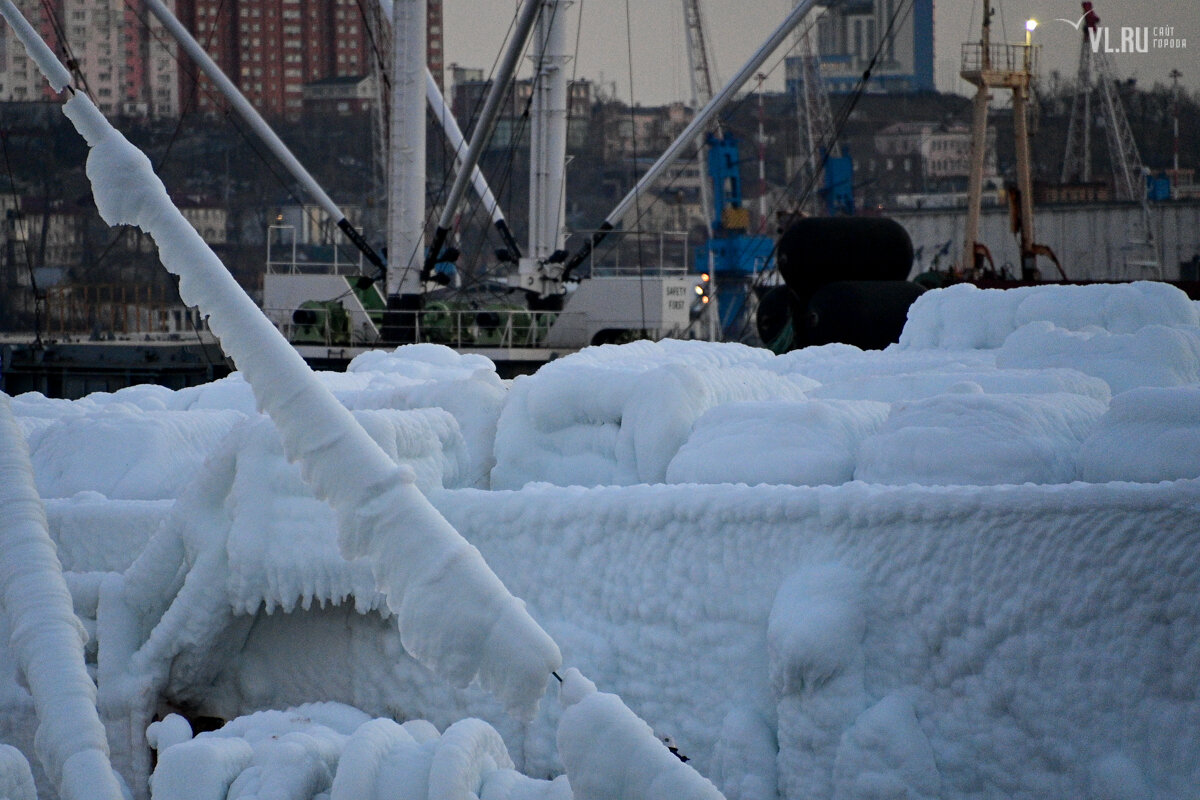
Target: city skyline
{"type": "Point", "coordinates": [736, 30]}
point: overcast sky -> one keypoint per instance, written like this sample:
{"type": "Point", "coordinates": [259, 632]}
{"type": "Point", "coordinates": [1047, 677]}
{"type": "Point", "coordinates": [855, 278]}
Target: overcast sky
{"type": "Point", "coordinates": [475, 30]}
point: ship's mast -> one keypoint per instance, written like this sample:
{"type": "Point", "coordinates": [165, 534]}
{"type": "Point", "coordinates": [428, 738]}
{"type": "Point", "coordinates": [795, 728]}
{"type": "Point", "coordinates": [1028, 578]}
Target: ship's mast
{"type": "Point", "coordinates": [406, 164]}
{"type": "Point", "coordinates": [1001, 66]}
{"type": "Point", "coordinates": [548, 131]}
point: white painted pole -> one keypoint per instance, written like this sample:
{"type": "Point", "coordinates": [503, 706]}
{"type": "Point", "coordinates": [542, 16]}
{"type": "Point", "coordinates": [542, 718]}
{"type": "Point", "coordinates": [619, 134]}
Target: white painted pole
{"type": "Point", "coordinates": [458, 143]}
{"type": "Point", "coordinates": [548, 126]}
{"type": "Point", "coordinates": [406, 154]}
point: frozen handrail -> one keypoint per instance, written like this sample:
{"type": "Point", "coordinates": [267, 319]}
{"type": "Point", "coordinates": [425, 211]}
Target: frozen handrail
{"type": "Point", "coordinates": [46, 636]}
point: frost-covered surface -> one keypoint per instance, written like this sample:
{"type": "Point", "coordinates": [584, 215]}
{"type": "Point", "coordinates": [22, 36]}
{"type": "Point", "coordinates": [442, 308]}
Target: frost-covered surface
{"type": "Point", "coordinates": [609, 752]}
{"type": "Point", "coordinates": [803, 443]}
{"type": "Point", "coordinates": [16, 780]}
{"type": "Point", "coordinates": [1012, 616]}
{"type": "Point", "coordinates": [146, 455]}
{"type": "Point", "coordinates": [1034, 631]}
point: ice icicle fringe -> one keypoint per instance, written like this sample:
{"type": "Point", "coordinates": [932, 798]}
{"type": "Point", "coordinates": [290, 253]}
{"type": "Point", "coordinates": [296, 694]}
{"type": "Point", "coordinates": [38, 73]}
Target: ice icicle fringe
{"type": "Point", "coordinates": [46, 636]}
{"type": "Point", "coordinates": [454, 614]}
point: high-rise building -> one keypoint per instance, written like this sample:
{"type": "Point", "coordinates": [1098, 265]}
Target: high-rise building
{"type": "Point", "coordinates": [119, 55]}
{"type": "Point", "coordinates": [851, 33]}
{"type": "Point", "coordinates": [435, 52]}
{"type": "Point", "coordinates": [271, 48]}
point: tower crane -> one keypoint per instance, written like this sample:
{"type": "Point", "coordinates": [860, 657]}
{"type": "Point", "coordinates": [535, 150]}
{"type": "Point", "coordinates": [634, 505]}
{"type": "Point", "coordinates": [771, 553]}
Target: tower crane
{"type": "Point", "coordinates": [700, 73]}
{"type": "Point", "coordinates": [732, 256]}
{"type": "Point", "coordinates": [1097, 76]}
{"type": "Point", "coordinates": [817, 132]}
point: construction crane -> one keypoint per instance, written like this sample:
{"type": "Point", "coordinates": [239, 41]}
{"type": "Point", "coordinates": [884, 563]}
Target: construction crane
{"type": "Point", "coordinates": [1097, 76]}
{"type": "Point", "coordinates": [828, 168]}
{"type": "Point", "coordinates": [700, 72]}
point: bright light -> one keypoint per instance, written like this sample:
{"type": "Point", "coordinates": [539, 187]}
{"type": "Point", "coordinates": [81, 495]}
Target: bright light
{"type": "Point", "coordinates": [699, 290]}
{"type": "Point", "coordinates": [704, 277]}
{"type": "Point", "coordinates": [704, 300]}
{"type": "Point", "coordinates": [1031, 25]}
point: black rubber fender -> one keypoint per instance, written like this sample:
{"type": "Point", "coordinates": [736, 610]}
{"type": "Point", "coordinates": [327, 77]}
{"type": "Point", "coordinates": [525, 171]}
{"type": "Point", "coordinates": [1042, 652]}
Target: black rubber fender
{"type": "Point", "coordinates": [866, 314]}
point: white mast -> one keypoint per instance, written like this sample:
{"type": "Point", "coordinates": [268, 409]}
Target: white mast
{"type": "Point", "coordinates": [406, 154]}
{"type": "Point", "coordinates": [548, 132]}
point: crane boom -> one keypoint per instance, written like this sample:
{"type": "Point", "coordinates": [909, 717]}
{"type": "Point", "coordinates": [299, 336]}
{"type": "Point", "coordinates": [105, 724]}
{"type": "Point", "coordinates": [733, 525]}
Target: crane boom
{"type": "Point", "coordinates": [1096, 73]}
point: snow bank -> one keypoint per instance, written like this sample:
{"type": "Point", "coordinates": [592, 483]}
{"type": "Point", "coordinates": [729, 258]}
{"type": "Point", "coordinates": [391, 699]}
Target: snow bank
{"type": "Point", "coordinates": [965, 317]}
{"type": "Point", "coordinates": [1147, 435]}
{"type": "Point", "coordinates": [619, 414]}
{"type": "Point", "coordinates": [979, 439]}
{"type": "Point", "coordinates": [45, 634]}
{"type": "Point", "coordinates": [454, 614]}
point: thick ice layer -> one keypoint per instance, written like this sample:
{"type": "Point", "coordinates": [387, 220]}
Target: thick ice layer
{"type": "Point", "coordinates": [805, 442]}
{"type": "Point", "coordinates": [618, 415]}
{"type": "Point", "coordinates": [1154, 355]}
{"type": "Point", "coordinates": [1147, 435]}
{"type": "Point", "coordinates": [94, 534]}
{"type": "Point", "coordinates": [277, 754]}
{"type": "Point", "coordinates": [979, 439]}
{"type": "Point", "coordinates": [16, 781]}
{"type": "Point", "coordinates": [36, 47]}
{"type": "Point", "coordinates": [1028, 633]}
{"type": "Point", "coordinates": [434, 376]}
{"type": "Point", "coordinates": [964, 317]}
{"type": "Point", "coordinates": [125, 453]}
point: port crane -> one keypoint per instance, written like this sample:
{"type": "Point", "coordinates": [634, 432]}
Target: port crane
{"type": "Point", "coordinates": [1096, 77]}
